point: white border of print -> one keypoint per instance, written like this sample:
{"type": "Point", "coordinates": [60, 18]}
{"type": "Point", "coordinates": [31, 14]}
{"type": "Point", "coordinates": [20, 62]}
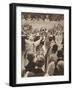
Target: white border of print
{"type": "Point", "coordinates": [19, 79]}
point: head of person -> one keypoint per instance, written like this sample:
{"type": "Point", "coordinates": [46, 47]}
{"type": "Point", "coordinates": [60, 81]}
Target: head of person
{"type": "Point", "coordinates": [60, 54]}
{"type": "Point", "coordinates": [50, 38]}
{"type": "Point", "coordinates": [55, 48]}
{"type": "Point", "coordinates": [40, 61]}
{"type": "Point", "coordinates": [30, 56]}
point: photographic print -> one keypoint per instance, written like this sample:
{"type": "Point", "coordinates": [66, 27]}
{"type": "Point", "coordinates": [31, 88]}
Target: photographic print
{"type": "Point", "coordinates": [42, 44]}
{"type": "Point", "coordinates": [40, 41]}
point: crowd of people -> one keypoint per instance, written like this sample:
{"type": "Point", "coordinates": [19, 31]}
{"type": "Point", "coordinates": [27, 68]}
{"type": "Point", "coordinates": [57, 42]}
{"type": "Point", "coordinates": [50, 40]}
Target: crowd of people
{"type": "Point", "coordinates": [44, 50]}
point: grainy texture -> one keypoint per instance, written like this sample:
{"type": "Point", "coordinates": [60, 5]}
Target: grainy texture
{"type": "Point", "coordinates": [42, 44]}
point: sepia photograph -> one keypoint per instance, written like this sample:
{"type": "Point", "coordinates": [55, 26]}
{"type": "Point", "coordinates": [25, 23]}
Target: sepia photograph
{"type": "Point", "coordinates": [42, 42]}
